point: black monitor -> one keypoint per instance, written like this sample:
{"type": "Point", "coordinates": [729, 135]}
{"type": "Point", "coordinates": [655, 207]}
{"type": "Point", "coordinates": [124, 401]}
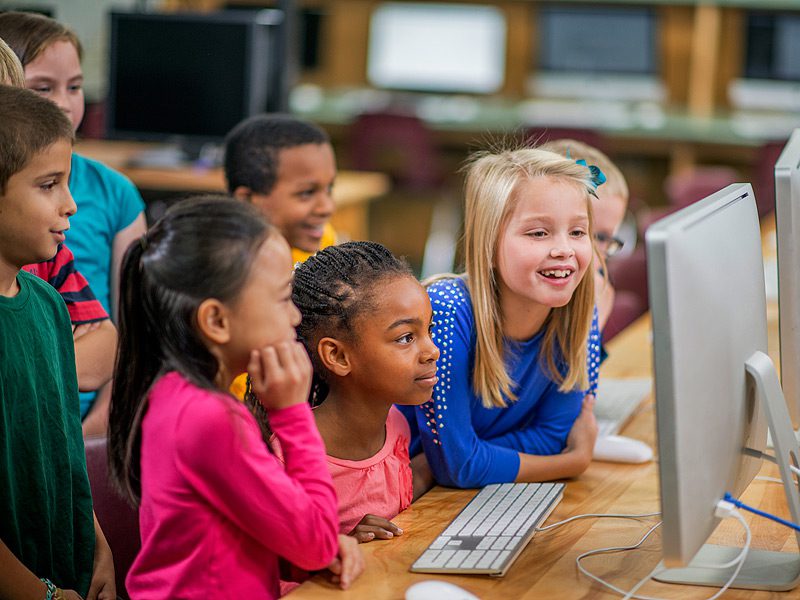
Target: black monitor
{"type": "Point", "coordinates": [191, 77]}
{"type": "Point", "coordinates": [590, 38]}
{"type": "Point", "coordinates": [772, 49]}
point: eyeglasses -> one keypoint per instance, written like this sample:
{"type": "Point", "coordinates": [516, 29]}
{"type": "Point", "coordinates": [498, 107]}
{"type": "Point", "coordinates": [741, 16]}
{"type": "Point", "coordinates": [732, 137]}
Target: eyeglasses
{"type": "Point", "coordinates": [608, 244]}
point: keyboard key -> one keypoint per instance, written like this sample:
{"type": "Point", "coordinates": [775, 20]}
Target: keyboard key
{"type": "Point", "coordinates": [457, 559]}
{"type": "Point", "coordinates": [488, 559]}
{"type": "Point", "coordinates": [439, 542]}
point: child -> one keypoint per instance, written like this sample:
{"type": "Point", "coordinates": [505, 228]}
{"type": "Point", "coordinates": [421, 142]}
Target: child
{"type": "Point", "coordinates": [94, 336]}
{"type": "Point", "coordinates": [513, 331]}
{"type": "Point", "coordinates": [111, 211]}
{"type": "Point", "coordinates": [285, 167]}
{"type": "Point", "coordinates": [11, 72]}
{"type": "Point", "coordinates": [205, 295]}
{"type": "Point", "coordinates": [47, 527]}
{"type": "Point", "coordinates": [366, 324]}
{"type": "Point", "coordinates": [608, 211]}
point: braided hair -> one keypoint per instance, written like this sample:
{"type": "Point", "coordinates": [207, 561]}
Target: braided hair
{"type": "Point", "coordinates": [332, 289]}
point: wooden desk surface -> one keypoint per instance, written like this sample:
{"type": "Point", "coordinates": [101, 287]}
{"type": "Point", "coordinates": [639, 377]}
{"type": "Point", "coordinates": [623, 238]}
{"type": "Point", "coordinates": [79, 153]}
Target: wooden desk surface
{"type": "Point", "coordinates": [352, 187]}
{"type": "Point", "coordinates": [546, 568]}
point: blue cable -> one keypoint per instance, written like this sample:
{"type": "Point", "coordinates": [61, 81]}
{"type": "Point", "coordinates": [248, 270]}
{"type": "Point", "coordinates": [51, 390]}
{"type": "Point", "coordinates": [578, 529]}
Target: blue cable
{"type": "Point", "coordinates": [739, 504]}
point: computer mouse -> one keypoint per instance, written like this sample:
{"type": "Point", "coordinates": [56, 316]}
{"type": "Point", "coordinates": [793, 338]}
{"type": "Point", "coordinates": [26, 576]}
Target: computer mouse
{"type": "Point", "coordinates": [434, 589]}
{"type": "Point", "coordinates": [616, 448]}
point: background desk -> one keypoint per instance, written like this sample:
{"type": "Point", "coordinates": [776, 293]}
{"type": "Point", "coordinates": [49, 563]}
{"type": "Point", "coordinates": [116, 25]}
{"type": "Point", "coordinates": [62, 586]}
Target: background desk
{"type": "Point", "coordinates": [546, 568]}
{"type": "Point", "coordinates": [352, 192]}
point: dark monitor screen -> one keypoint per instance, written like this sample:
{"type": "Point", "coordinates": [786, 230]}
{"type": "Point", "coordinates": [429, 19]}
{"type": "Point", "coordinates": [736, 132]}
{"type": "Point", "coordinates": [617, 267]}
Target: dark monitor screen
{"type": "Point", "coordinates": [597, 39]}
{"type": "Point", "coordinates": [190, 75]}
{"type": "Point", "coordinates": [773, 46]}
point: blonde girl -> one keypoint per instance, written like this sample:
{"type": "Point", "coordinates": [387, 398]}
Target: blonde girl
{"type": "Point", "coordinates": [515, 364]}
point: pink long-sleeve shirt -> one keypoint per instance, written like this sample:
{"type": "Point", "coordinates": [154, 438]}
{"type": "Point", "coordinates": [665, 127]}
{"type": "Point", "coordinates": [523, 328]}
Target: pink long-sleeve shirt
{"type": "Point", "coordinates": [217, 508]}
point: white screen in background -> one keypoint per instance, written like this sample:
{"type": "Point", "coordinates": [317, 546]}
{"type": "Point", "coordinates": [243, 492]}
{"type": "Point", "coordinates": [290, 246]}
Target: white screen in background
{"type": "Point", "coordinates": [437, 47]}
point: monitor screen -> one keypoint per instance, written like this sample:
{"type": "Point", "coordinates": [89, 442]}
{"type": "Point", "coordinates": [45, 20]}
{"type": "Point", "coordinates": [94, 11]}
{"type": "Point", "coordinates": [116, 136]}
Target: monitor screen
{"type": "Point", "coordinates": [773, 46]}
{"type": "Point", "coordinates": [705, 273]}
{"type": "Point", "coordinates": [437, 47]}
{"type": "Point", "coordinates": [190, 75]}
{"type": "Point", "coordinates": [597, 39]}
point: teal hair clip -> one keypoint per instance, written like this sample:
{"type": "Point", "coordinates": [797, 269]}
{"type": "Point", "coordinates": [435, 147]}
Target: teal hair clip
{"type": "Point", "coordinates": [598, 177]}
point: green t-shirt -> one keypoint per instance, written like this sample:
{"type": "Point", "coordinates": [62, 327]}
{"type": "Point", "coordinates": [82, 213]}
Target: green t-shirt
{"type": "Point", "coordinates": [45, 500]}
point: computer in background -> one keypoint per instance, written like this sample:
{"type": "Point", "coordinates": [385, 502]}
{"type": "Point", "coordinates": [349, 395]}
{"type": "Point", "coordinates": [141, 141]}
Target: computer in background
{"type": "Point", "coordinates": [617, 401]}
{"type": "Point", "coordinates": [188, 77]}
{"type": "Point", "coordinates": [437, 47]}
{"type": "Point", "coordinates": [597, 52]}
{"type": "Point", "coordinates": [787, 221]}
{"type": "Point", "coordinates": [714, 384]}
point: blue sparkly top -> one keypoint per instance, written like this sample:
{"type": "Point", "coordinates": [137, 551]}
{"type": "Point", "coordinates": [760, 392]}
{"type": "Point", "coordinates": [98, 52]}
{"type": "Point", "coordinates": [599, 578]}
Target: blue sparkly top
{"type": "Point", "coordinates": [468, 445]}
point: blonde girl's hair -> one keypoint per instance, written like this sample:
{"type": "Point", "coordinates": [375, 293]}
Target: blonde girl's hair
{"type": "Point", "coordinates": [491, 185]}
{"type": "Point", "coordinates": [11, 72]}
{"type": "Point", "coordinates": [615, 183]}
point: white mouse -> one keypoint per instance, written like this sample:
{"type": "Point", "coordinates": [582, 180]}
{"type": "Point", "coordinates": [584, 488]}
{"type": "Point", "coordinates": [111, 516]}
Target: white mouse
{"type": "Point", "coordinates": [616, 448]}
{"type": "Point", "coordinates": [435, 589]}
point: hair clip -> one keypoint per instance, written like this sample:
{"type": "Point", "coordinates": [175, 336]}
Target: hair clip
{"type": "Point", "coordinates": [598, 177]}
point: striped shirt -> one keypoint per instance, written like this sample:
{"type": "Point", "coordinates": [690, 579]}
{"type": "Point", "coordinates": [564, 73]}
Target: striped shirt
{"type": "Point", "coordinates": [60, 272]}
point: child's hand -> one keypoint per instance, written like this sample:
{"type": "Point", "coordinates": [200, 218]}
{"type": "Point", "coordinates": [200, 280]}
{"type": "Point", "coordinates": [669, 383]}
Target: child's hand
{"type": "Point", "coordinates": [348, 564]}
{"type": "Point", "coordinates": [280, 375]}
{"type": "Point", "coordinates": [584, 432]}
{"type": "Point", "coordinates": [103, 585]}
{"type": "Point", "coordinates": [374, 527]}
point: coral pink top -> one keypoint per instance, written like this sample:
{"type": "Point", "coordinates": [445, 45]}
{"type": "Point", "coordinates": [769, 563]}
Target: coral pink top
{"type": "Point", "coordinates": [381, 485]}
{"type": "Point", "coordinates": [217, 508]}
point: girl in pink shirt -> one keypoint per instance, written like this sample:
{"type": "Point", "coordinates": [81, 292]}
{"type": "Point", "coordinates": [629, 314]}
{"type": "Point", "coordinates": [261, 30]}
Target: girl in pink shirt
{"type": "Point", "coordinates": [366, 324]}
{"type": "Point", "coordinates": [206, 295]}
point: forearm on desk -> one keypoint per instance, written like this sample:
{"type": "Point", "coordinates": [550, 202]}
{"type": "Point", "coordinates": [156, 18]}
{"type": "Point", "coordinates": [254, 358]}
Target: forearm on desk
{"type": "Point", "coordinates": [534, 468]}
{"type": "Point", "coordinates": [16, 581]}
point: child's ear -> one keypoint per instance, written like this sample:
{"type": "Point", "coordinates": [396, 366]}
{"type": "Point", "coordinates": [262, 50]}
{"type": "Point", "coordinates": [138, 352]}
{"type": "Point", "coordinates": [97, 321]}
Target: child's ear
{"type": "Point", "coordinates": [333, 355]}
{"type": "Point", "coordinates": [243, 193]}
{"type": "Point", "coordinates": [212, 320]}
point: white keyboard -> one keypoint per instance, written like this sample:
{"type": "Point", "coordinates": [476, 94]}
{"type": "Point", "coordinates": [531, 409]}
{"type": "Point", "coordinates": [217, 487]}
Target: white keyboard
{"type": "Point", "coordinates": [491, 531]}
{"type": "Point", "coordinates": [617, 400]}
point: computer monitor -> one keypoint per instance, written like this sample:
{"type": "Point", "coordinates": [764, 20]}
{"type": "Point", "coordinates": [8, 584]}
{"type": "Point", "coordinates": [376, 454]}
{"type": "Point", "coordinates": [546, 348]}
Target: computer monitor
{"type": "Point", "coordinates": [577, 45]}
{"type": "Point", "coordinates": [437, 47]}
{"type": "Point", "coordinates": [713, 381]}
{"type": "Point", "coordinates": [787, 221]}
{"type": "Point", "coordinates": [191, 76]}
{"type": "Point", "coordinates": [771, 78]}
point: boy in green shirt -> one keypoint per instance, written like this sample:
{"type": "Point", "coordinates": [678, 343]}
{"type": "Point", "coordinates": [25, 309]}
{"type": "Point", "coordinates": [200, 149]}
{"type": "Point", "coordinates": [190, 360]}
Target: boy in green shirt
{"type": "Point", "coordinates": [49, 538]}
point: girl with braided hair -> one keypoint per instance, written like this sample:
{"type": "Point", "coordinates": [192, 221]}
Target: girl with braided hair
{"type": "Point", "coordinates": [366, 325]}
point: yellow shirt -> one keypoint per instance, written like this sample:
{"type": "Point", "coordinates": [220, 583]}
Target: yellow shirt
{"type": "Point", "coordinates": [328, 239]}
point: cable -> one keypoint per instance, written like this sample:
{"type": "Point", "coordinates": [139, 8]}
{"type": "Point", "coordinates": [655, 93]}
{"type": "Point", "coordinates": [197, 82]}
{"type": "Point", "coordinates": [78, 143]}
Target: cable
{"type": "Point", "coordinates": [610, 550]}
{"type": "Point", "coordinates": [760, 513]}
{"type": "Point", "coordinates": [598, 516]}
{"type": "Point", "coordinates": [724, 509]}
{"type": "Point", "coordinates": [770, 479]}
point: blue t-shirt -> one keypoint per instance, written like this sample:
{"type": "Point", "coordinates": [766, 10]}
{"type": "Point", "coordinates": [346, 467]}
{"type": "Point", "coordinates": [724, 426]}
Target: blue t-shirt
{"type": "Point", "coordinates": [468, 445]}
{"type": "Point", "coordinates": [107, 203]}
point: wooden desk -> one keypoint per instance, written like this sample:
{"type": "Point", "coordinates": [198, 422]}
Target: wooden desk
{"type": "Point", "coordinates": [352, 193]}
{"type": "Point", "coordinates": [546, 568]}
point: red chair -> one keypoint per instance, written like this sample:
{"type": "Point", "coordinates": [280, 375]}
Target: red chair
{"type": "Point", "coordinates": [118, 520]}
{"type": "Point", "coordinates": [628, 273]}
{"type": "Point", "coordinates": [764, 176]}
{"type": "Point", "coordinates": [627, 308]}
{"type": "Point", "coordinates": [686, 188]}
{"type": "Point", "coordinates": [540, 135]}
{"type": "Point", "coordinates": [400, 145]}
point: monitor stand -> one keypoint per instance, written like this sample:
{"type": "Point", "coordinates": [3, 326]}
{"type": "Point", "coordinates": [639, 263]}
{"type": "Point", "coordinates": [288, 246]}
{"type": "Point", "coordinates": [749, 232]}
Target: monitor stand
{"type": "Point", "coordinates": [762, 570]}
